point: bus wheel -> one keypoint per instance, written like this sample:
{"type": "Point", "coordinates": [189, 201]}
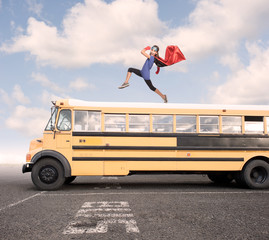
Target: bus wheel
{"type": "Point", "coordinates": [69, 179]}
{"type": "Point", "coordinates": [256, 174]}
{"type": "Point", "coordinates": [48, 174]}
{"type": "Point", "coordinates": [220, 177]}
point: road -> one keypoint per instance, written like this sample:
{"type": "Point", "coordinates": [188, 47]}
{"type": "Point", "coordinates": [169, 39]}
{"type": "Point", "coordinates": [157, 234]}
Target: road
{"type": "Point", "coordinates": [133, 207]}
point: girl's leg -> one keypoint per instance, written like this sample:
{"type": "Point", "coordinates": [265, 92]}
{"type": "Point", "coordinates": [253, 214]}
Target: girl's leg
{"type": "Point", "coordinates": [129, 73]}
{"type": "Point", "coordinates": [128, 77]}
{"type": "Point", "coordinates": [154, 89]}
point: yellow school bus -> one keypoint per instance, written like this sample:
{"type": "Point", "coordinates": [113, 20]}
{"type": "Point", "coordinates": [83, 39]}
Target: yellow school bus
{"type": "Point", "coordinates": [226, 142]}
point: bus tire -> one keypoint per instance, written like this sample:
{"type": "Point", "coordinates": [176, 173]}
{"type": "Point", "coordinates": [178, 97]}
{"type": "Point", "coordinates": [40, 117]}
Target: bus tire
{"type": "Point", "coordinates": [69, 179]}
{"type": "Point", "coordinates": [220, 177]}
{"type": "Point", "coordinates": [256, 174]}
{"type": "Point", "coordinates": [48, 174]}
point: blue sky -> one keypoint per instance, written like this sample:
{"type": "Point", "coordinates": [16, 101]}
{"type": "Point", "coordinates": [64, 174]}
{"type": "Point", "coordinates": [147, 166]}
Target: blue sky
{"type": "Point", "coordinates": [82, 49]}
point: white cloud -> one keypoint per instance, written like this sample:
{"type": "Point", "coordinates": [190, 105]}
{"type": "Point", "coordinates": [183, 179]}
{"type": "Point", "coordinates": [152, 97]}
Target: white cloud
{"type": "Point", "coordinates": [47, 97]}
{"type": "Point", "coordinates": [16, 95]}
{"type": "Point", "coordinates": [248, 85]}
{"type": "Point", "coordinates": [34, 7]}
{"type": "Point", "coordinates": [28, 121]}
{"type": "Point", "coordinates": [93, 32]}
{"type": "Point", "coordinates": [217, 27]}
{"type": "Point", "coordinates": [45, 82]}
{"type": "Point", "coordinates": [96, 31]}
{"type": "Point", "coordinates": [19, 95]}
{"type": "Point", "coordinates": [232, 61]}
{"type": "Point", "coordinates": [81, 84]}
{"type": "Point", "coordinates": [4, 97]}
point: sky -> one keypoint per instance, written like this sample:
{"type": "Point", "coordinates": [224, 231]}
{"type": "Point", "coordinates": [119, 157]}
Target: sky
{"type": "Point", "coordinates": [82, 49]}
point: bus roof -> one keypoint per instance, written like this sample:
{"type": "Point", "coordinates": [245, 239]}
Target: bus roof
{"type": "Point", "coordinates": [81, 103]}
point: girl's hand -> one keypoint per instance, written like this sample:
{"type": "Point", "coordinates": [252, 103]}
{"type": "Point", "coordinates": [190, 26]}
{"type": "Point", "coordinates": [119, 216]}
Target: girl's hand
{"type": "Point", "coordinates": [144, 52]}
{"type": "Point", "coordinates": [147, 48]}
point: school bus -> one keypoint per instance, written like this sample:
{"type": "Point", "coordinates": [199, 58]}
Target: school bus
{"type": "Point", "coordinates": [226, 142]}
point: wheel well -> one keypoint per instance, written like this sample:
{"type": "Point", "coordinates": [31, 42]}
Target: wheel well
{"type": "Point", "coordinates": [55, 155]}
{"type": "Point", "coordinates": [266, 159]}
{"type": "Point", "coordinates": [49, 157]}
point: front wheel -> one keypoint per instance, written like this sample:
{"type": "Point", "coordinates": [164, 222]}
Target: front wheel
{"type": "Point", "coordinates": [256, 174]}
{"type": "Point", "coordinates": [48, 174]}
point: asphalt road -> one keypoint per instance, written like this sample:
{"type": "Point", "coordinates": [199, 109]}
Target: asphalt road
{"type": "Point", "coordinates": [132, 207]}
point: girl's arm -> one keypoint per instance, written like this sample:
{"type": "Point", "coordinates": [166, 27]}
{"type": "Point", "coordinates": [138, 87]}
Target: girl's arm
{"type": "Point", "coordinates": [143, 51]}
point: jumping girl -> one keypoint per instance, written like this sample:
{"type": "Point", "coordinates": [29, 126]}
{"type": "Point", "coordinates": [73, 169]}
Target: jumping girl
{"type": "Point", "coordinates": [145, 72]}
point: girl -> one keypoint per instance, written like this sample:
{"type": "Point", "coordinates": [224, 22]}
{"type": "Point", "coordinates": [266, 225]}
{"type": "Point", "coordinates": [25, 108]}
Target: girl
{"type": "Point", "coordinates": [145, 72]}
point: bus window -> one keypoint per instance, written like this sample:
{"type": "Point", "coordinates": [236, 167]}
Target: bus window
{"type": "Point", "coordinates": [51, 124]}
{"type": "Point", "coordinates": [139, 123]}
{"type": "Point", "coordinates": [87, 121]}
{"type": "Point", "coordinates": [209, 124]}
{"type": "Point", "coordinates": [162, 123]}
{"type": "Point", "coordinates": [253, 124]}
{"type": "Point", "coordinates": [64, 121]}
{"type": "Point", "coordinates": [94, 121]}
{"type": "Point", "coordinates": [186, 124]}
{"type": "Point", "coordinates": [81, 121]}
{"type": "Point", "coordinates": [115, 122]}
{"type": "Point", "coordinates": [231, 124]}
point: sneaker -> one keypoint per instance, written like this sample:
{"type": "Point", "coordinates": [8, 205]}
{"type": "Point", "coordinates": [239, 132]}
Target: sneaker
{"type": "Point", "coordinates": [124, 85]}
{"type": "Point", "coordinates": [165, 99]}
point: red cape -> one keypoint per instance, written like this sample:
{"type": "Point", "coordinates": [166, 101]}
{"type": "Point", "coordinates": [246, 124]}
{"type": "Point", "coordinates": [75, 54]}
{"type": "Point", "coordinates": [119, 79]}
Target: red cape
{"type": "Point", "coordinates": [172, 56]}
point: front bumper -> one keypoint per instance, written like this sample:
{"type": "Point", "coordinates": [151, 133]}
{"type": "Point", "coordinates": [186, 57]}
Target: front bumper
{"type": "Point", "coordinates": [27, 167]}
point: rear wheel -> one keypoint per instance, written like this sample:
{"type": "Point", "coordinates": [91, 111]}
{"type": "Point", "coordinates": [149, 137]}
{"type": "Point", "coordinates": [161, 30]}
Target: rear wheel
{"type": "Point", "coordinates": [256, 174]}
{"type": "Point", "coordinates": [48, 174]}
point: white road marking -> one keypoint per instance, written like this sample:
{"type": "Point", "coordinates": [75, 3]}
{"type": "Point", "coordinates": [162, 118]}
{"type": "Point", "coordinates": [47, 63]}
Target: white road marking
{"type": "Point", "coordinates": [109, 178]}
{"type": "Point", "coordinates": [152, 193]}
{"type": "Point", "coordinates": [88, 222]}
{"type": "Point", "coordinates": [21, 201]}
{"type": "Point", "coordinates": [105, 204]}
{"type": "Point", "coordinates": [84, 213]}
{"type": "Point", "coordinates": [109, 209]}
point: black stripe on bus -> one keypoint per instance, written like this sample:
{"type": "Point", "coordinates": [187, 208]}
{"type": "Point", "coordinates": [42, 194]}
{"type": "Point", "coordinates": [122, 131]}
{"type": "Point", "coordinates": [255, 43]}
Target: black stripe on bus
{"type": "Point", "coordinates": [157, 159]}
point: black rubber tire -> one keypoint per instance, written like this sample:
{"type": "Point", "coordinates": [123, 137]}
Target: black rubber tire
{"type": "Point", "coordinates": [256, 174]}
{"type": "Point", "coordinates": [69, 179]}
{"type": "Point", "coordinates": [220, 177]}
{"type": "Point", "coordinates": [48, 174]}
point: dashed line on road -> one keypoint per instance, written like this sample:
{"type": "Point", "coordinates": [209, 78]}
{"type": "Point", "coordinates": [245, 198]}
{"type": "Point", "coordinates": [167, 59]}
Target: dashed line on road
{"type": "Point", "coordinates": [123, 193]}
{"type": "Point", "coordinates": [21, 201]}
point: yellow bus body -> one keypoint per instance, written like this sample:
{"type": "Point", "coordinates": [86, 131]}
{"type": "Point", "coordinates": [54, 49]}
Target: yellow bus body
{"type": "Point", "coordinates": [118, 147]}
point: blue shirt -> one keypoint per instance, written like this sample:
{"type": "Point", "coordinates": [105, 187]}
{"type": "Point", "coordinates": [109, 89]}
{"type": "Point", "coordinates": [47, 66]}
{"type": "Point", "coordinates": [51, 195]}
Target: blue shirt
{"type": "Point", "coordinates": [145, 72]}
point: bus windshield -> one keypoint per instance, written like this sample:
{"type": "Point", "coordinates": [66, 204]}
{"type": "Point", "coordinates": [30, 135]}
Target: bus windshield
{"type": "Point", "coordinates": [51, 124]}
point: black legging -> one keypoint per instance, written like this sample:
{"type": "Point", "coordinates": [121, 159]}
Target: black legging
{"type": "Point", "coordinates": [138, 73]}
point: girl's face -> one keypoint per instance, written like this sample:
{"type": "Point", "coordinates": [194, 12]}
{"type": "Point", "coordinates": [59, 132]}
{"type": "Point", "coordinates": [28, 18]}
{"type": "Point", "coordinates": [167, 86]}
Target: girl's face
{"type": "Point", "coordinates": [153, 51]}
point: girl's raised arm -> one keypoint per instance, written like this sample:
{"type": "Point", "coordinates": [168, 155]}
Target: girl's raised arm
{"type": "Point", "coordinates": [143, 51]}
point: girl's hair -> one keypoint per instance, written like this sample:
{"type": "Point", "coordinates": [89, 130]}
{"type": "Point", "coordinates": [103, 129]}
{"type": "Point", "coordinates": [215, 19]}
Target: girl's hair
{"type": "Point", "coordinates": [155, 46]}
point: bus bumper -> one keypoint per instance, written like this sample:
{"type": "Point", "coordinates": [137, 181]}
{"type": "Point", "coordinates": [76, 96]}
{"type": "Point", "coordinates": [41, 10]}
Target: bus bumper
{"type": "Point", "coordinates": [27, 167]}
